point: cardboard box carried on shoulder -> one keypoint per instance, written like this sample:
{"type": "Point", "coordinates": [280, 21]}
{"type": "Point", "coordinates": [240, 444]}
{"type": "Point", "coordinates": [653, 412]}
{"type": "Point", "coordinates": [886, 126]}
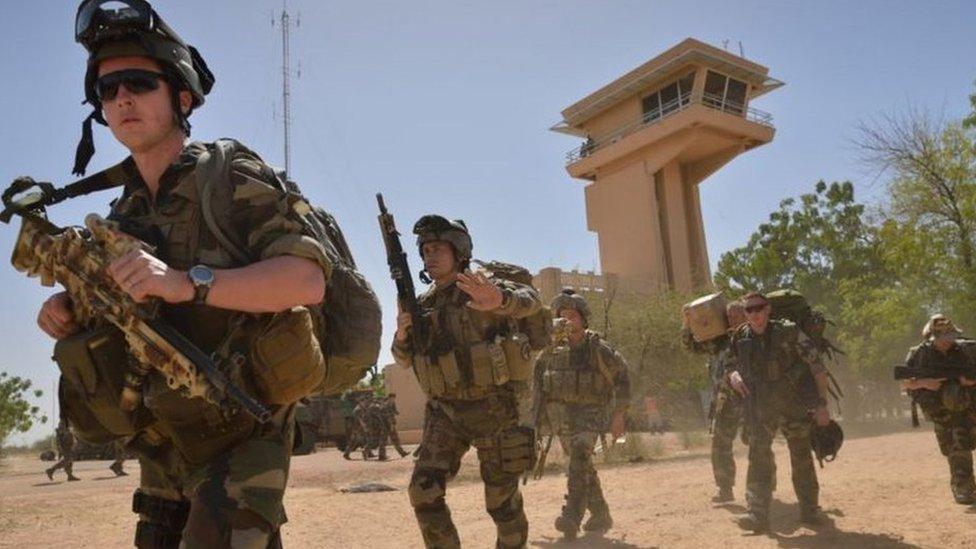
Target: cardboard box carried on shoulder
{"type": "Point", "coordinates": [706, 318]}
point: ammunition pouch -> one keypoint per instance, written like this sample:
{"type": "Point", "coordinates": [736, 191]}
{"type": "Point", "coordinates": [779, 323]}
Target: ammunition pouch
{"type": "Point", "coordinates": [164, 520]}
{"type": "Point", "coordinates": [286, 357]}
{"type": "Point", "coordinates": [93, 365]}
{"type": "Point", "coordinates": [493, 363]}
{"type": "Point", "coordinates": [572, 386]}
{"type": "Point", "coordinates": [513, 451]}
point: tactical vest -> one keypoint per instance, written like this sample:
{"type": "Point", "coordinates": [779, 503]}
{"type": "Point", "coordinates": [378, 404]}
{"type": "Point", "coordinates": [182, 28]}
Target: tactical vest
{"type": "Point", "coordinates": [267, 345]}
{"type": "Point", "coordinates": [766, 357]}
{"type": "Point", "coordinates": [577, 376]}
{"type": "Point", "coordinates": [952, 397]}
{"type": "Point", "coordinates": [471, 354]}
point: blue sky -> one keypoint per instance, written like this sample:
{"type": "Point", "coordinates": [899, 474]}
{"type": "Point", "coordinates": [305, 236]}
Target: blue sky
{"type": "Point", "coordinates": [444, 106]}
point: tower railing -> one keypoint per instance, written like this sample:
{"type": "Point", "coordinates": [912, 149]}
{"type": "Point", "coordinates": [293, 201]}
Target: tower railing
{"type": "Point", "coordinates": [676, 105]}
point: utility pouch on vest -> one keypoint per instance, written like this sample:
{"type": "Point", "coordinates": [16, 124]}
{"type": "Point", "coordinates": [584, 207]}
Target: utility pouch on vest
{"type": "Point", "coordinates": [516, 450]}
{"type": "Point", "coordinates": [428, 376]}
{"type": "Point", "coordinates": [93, 366]}
{"type": "Point", "coordinates": [518, 356]}
{"type": "Point", "coordinates": [450, 374]}
{"type": "Point", "coordinates": [286, 357]}
{"type": "Point", "coordinates": [483, 364]}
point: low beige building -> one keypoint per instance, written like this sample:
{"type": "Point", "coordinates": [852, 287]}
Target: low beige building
{"type": "Point", "coordinates": [652, 136]}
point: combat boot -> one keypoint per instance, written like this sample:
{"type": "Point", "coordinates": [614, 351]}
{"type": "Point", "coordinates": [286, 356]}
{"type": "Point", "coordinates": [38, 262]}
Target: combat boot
{"type": "Point", "coordinates": [117, 469]}
{"type": "Point", "coordinates": [599, 522]}
{"type": "Point", "coordinates": [382, 455]}
{"type": "Point", "coordinates": [50, 473]}
{"type": "Point", "coordinates": [403, 453]}
{"type": "Point", "coordinates": [964, 492]}
{"type": "Point", "coordinates": [72, 478]}
{"type": "Point", "coordinates": [753, 522]}
{"type": "Point", "coordinates": [569, 521]}
{"type": "Point", "coordinates": [724, 495]}
{"type": "Point", "coordinates": [811, 516]}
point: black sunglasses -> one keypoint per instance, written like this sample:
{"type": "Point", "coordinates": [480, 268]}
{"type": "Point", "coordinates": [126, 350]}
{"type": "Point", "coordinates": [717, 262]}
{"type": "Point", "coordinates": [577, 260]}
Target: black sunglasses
{"type": "Point", "coordinates": [755, 308]}
{"type": "Point", "coordinates": [137, 81]}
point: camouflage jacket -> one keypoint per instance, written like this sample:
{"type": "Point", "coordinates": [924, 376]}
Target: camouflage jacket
{"type": "Point", "coordinates": [952, 397]}
{"type": "Point", "coordinates": [455, 329]}
{"type": "Point", "coordinates": [593, 366]}
{"type": "Point", "coordinates": [781, 353]}
{"type": "Point", "coordinates": [172, 223]}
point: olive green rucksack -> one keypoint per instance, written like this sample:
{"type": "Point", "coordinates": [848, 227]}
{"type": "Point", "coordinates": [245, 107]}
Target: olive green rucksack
{"type": "Point", "coordinates": [349, 323]}
{"type": "Point", "coordinates": [538, 326]}
{"type": "Point", "coordinates": [793, 306]}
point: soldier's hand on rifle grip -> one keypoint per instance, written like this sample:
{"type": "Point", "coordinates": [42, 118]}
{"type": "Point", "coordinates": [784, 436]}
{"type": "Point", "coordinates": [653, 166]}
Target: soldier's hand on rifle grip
{"type": "Point", "coordinates": [57, 317]}
{"type": "Point", "coordinates": [142, 276]}
{"type": "Point", "coordinates": [404, 322]}
{"type": "Point", "coordinates": [738, 384]}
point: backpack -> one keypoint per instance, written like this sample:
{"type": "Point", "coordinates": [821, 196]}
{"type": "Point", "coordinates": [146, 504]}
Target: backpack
{"type": "Point", "coordinates": [537, 326]}
{"type": "Point", "coordinates": [349, 324]}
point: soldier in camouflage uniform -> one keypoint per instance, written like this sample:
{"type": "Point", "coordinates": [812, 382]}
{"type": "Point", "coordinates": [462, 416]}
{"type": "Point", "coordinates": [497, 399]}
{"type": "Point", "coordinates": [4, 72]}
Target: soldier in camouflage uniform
{"type": "Point", "coordinates": [360, 433]}
{"type": "Point", "coordinates": [382, 426]}
{"type": "Point", "coordinates": [118, 464]}
{"type": "Point", "coordinates": [725, 411]}
{"type": "Point", "coordinates": [950, 404]}
{"type": "Point", "coordinates": [585, 389]}
{"type": "Point", "coordinates": [472, 389]}
{"type": "Point", "coordinates": [66, 449]}
{"type": "Point", "coordinates": [390, 413]}
{"type": "Point", "coordinates": [778, 371]}
{"type": "Point", "coordinates": [207, 479]}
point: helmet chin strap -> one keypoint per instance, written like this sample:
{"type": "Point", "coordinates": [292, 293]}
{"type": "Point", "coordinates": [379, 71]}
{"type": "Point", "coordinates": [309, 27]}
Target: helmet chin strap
{"type": "Point", "coordinates": [86, 145]}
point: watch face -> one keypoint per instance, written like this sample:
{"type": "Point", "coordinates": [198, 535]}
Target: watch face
{"type": "Point", "coordinates": [201, 275]}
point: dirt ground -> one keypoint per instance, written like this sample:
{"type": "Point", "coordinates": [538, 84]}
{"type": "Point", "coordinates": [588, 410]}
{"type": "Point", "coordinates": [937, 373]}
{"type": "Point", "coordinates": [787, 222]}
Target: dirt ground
{"type": "Point", "coordinates": [889, 490]}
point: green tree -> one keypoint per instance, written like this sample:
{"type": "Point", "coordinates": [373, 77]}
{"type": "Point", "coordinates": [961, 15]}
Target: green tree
{"type": "Point", "coordinates": [17, 415]}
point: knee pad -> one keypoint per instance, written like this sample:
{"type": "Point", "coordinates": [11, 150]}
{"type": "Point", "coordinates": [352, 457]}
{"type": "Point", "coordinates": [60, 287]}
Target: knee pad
{"type": "Point", "coordinates": [427, 488]}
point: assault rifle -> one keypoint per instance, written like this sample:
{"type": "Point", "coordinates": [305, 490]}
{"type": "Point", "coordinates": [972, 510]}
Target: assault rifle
{"type": "Point", "coordinates": [947, 372]}
{"type": "Point", "coordinates": [78, 258]}
{"type": "Point", "coordinates": [400, 272]}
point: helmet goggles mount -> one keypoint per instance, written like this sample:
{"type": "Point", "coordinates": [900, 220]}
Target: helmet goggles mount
{"type": "Point", "coordinates": [101, 20]}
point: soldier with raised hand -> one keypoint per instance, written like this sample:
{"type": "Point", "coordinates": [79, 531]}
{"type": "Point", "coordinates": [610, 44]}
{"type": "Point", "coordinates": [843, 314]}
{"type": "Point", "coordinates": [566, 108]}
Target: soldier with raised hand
{"type": "Point", "coordinates": [726, 408]}
{"type": "Point", "coordinates": [209, 477]}
{"type": "Point", "coordinates": [950, 404]}
{"type": "Point", "coordinates": [65, 441]}
{"type": "Point", "coordinates": [585, 388]}
{"type": "Point", "coordinates": [778, 372]}
{"type": "Point", "coordinates": [472, 385]}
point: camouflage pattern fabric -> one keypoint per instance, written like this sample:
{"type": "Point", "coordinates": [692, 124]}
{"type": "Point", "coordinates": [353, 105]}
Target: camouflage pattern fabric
{"type": "Point", "coordinates": [951, 409]}
{"type": "Point", "coordinates": [450, 429]}
{"type": "Point", "coordinates": [236, 499]}
{"type": "Point", "coordinates": [725, 426]}
{"type": "Point", "coordinates": [575, 420]}
{"type": "Point", "coordinates": [65, 441]}
{"type": "Point", "coordinates": [726, 406]}
{"type": "Point", "coordinates": [778, 361]}
{"type": "Point", "coordinates": [231, 470]}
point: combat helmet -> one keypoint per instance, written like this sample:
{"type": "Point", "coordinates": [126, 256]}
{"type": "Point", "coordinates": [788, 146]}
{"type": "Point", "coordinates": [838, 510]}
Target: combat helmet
{"type": "Point", "coordinates": [569, 299]}
{"type": "Point", "coordinates": [431, 228]}
{"type": "Point", "coordinates": [826, 441]}
{"type": "Point", "coordinates": [135, 29]}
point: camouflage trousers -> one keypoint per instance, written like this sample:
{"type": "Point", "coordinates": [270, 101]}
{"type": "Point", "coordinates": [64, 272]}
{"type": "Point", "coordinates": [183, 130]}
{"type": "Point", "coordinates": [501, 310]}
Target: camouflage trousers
{"type": "Point", "coordinates": [583, 490]}
{"type": "Point", "coordinates": [235, 500]}
{"type": "Point", "coordinates": [956, 435]}
{"type": "Point", "coordinates": [450, 429]}
{"type": "Point", "coordinates": [725, 425]}
{"type": "Point", "coordinates": [779, 411]}
{"type": "Point", "coordinates": [66, 462]}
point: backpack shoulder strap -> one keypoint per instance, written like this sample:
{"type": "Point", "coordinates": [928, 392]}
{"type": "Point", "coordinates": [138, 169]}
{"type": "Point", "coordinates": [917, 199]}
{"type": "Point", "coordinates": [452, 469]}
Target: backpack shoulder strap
{"type": "Point", "coordinates": [214, 166]}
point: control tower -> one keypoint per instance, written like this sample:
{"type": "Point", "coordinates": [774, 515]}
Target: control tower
{"type": "Point", "coordinates": [651, 137]}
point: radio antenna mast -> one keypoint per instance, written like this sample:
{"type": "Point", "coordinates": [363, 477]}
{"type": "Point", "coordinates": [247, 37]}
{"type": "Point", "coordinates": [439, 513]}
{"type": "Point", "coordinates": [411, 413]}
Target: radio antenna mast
{"type": "Point", "coordinates": [286, 23]}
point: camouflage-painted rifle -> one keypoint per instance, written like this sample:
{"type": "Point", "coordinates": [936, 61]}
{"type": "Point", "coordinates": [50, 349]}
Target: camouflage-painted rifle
{"type": "Point", "coordinates": [77, 258]}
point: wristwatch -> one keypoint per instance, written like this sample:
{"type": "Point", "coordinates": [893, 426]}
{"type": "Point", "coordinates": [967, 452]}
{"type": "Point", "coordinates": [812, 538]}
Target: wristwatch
{"type": "Point", "coordinates": [202, 278]}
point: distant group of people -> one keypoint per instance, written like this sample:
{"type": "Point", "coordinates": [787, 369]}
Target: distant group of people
{"type": "Point", "coordinates": [67, 448]}
{"type": "Point", "coordinates": [372, 427]}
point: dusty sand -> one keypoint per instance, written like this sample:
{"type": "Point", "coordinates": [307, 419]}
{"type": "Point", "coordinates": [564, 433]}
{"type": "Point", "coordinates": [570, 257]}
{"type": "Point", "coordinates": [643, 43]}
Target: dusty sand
{"type": "Point", "coordinates": [883, 491]}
